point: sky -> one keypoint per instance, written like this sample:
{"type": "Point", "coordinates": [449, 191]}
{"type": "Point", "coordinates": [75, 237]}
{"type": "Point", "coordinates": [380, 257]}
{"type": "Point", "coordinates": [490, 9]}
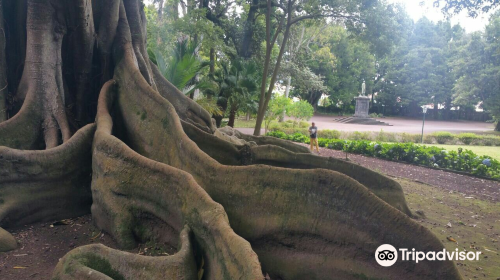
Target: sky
{"type": "Point", "coordinates": [416, 11]}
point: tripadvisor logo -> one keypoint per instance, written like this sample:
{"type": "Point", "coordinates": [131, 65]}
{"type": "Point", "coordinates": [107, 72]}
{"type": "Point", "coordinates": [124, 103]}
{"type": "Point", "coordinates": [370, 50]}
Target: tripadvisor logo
{"type": "Point", "coordinates": [386, 255]}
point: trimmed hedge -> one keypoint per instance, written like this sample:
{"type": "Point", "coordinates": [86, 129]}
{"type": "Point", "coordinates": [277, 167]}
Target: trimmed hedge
{"type": "Point", "coordinates": [382, 136]}
{"type": "Point", "coordinates": [461, 160]}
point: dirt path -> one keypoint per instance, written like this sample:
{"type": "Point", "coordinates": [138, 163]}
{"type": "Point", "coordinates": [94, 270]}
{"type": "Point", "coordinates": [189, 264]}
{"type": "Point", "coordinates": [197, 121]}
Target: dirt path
{"type": "Point", "coordinates": [461, 223]}
{"type": "Point", "coordinates": [466, 185]}
{"type": "Point", "coordinates": [43, 244]}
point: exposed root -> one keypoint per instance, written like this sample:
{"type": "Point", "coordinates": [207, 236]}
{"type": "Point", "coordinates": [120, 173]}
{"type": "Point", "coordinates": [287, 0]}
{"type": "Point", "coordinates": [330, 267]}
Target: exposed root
{"type": "Point", "coordinates": [137, 24]}
{"type": "Point", "coordinates": [330, 223]}
{"type": "Point", "coordinates": [98, 262]}
{"type": "Point", "coordinates": [7, 241]}
{"type": "Point", "coordinates": [266, 140]}
{"type": "Point", "coordinates": [277, 155]}
{"type": "Point", "coordinates": [382, 186]}
{"type": "Point", "coordinates": [126, 187]}
{"type": "Point", "coordinates": [46, 185]}
{"type": "Point", "coordinates": [3, 68]}
{"type": "Point", "coordinates": [23, 130]}
{"type": "Point", "coordinates": [187, 110]}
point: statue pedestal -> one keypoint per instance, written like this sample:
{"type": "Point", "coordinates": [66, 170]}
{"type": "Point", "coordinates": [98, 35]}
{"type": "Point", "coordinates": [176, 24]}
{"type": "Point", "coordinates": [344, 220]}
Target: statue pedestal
{"type": "Point", "coordinates": [362, 107]}
{"type": "Point", "coordinates": [361, 115]}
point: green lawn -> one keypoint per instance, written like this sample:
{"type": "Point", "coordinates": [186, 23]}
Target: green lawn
{"type": "Point", "coordinates": [493, 152]}
{"type": "Point", "coordinates": [238, 123]}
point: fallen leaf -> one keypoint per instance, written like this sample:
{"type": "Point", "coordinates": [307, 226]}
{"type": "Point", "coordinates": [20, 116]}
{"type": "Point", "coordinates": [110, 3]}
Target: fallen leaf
{"type": "Point", "coordinates": [20, 267]}
{"type": "Point", "coordinates": [96, 236]}
{"type": "Point", "coordinates": [451, 239]}
{"type": "Point", "coordinates": [20, 255]}
{"type": "Point", "coordinates": [62, 223]}
{"type": "Point", "coordinates": [489, 250]}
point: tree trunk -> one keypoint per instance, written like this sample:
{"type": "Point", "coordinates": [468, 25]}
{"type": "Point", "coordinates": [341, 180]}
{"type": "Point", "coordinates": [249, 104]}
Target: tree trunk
{"type": "Point", "coordinates": [266, 97]}
{"type": "Point", "coordinates": [212, 60]}
{"type": "Point", "coordinates": [245, 48]}
{"type": "Point", "coordinates": [232, 116]}
{"type": "Point", "coordinates": [143, 179]}
{"type": "Point", "coordinates": [160, 11]}
{"type": "Point", "coordinates": [287, 93]}
{"type": "Point", "coordinates": [3, 71]}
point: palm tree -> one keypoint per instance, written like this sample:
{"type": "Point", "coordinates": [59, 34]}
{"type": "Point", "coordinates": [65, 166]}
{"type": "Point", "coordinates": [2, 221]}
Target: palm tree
{"type": "Point", "coordinates": [182, 66]}
{"type": "Point", "coordinates": [181, 69]}
{"type": "Point", "coordinates": [234, 85]}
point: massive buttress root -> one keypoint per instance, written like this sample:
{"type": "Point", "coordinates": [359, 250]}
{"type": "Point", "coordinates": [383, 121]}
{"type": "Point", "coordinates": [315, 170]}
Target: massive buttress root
{"type": "Point", "coordinates": [302, 223]}
{"type": "Point", "coordinates": [46, 185]}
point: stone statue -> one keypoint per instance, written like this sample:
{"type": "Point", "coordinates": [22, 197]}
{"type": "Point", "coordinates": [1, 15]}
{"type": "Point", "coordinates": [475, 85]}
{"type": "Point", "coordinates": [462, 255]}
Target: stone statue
{"type": "Point", "coordinates": [363, 88]}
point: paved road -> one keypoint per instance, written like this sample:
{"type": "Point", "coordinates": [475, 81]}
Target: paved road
{"type": "Point", "coordinates": [398, 125]}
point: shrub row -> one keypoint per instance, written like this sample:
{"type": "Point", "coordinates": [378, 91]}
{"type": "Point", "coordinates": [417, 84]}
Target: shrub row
{"type": "Point", "coordinates": [461, 160]}
{"type": "Point", "coordinates": [382, 136]}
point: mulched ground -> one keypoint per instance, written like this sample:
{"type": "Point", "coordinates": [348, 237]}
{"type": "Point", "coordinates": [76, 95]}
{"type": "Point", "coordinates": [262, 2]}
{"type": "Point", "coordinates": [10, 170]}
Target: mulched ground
{"type": "Point", "coordinates": [467, 185]}
{"type": "Point", "coordinates": [43, 244]}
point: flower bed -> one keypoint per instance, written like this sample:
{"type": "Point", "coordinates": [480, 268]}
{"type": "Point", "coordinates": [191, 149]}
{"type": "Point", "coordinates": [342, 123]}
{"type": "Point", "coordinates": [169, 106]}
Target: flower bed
{"type": "Point", "coordinates": [460, 160]}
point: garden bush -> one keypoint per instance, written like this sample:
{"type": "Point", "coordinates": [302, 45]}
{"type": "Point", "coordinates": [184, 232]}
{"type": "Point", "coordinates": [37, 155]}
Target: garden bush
{"type": "Point", "coordinates": [460, 160]}
{"type": "Point", "coordinates": [356, 135]}
{"type": "Point", "coordinates": [469, 138]}
{"type": "Point", "coordinates": [490, 140]}
{"type": "Point", "coordinates": [288, 124]}
{"type": "Point", "coordinates": [293, 130]}
{"type": "Point", "coordinates": [442, 137]}
{"type": "Point", "coordinates": [428, 139]}
{"type": "Point", "coordinates": [382, 136]}
{"type": "Point", "coordinates": [410, 138]}
{"type": "Point", "coordinates": [329, 134]}
{"type": "Point", "coordinates": [304, 124]}
{"type": "Point", "coordinates": [385, 137]}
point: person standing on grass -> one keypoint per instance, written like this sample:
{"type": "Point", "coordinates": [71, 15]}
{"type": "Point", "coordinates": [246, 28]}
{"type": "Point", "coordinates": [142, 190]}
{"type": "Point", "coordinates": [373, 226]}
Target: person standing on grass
{"type": "Point", "coordinates": [313, 133]}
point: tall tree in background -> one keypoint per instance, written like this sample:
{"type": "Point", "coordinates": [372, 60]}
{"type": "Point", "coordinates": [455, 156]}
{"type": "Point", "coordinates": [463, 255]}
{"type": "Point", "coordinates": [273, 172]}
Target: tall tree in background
{"type": "Point", "coordinates": [282, 16]}
{"type": "Point", "coordinates": [473, 7]}
{"type": "Point", "coordinates": [477, 67]}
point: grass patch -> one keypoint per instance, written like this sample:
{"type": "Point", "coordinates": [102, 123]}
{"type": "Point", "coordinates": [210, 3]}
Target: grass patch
{"type": "Point", "coordinates": [493, 152]}
{"type": "Point", "coordinates": [244, 124]}
{"type": "Point", "coordinates": [475, 225]}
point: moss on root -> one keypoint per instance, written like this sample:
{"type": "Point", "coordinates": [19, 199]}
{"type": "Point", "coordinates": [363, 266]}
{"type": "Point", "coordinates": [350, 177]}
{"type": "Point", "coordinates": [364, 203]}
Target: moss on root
{"type": "Point", "coordinates": [100, 262]}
